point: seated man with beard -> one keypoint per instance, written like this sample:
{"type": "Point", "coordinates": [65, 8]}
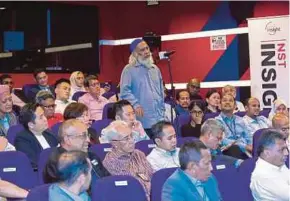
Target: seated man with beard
{"type": "Point", "coordinates": [141, 84]}
{"type": "Point", "coordinates": [124, 159]}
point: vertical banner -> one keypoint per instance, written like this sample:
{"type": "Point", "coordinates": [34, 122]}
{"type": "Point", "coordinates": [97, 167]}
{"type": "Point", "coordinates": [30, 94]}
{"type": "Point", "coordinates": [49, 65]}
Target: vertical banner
{"type": "Point", "coordinates": [269, 58]}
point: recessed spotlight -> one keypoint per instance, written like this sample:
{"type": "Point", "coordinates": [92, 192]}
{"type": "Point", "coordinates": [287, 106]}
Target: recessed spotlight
{"type": "Point", "coordinates": [2, 8]}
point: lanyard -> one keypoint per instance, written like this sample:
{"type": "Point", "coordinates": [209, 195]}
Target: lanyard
{"type": "Point", "coordinates": [233, 131]}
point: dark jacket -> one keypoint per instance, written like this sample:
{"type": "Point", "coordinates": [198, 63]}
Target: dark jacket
{"type": "Point", "coordinates": [34, 90]}
{"type": "Point", "coordinates": [50, 174]}
{"type": "Point", "coordinates": [27, 143]}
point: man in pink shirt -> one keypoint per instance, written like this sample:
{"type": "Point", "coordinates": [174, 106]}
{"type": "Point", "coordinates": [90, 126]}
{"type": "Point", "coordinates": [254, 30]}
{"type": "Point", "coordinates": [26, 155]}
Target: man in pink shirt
{"type": "Point", "coordinates": [93, 98]}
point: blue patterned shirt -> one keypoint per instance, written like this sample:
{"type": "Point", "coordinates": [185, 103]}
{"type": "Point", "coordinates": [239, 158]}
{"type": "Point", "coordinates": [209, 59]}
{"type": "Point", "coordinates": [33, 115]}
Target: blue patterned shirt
{"type": "Point", "coordinates": [235, 130]}
{"type": "Point", "coordinates": [254, 124]}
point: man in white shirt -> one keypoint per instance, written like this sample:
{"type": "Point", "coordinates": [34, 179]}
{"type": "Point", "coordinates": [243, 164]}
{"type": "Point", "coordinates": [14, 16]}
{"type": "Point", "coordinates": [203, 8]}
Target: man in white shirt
{"type": "Point", "coordinates": [252, 119]}
{"type": "Point", "coordinates": [270, 178]}
{"type": "Point", "coordinates": [165, 154]}
{"type": "Point", "coordinates": [62, 93]}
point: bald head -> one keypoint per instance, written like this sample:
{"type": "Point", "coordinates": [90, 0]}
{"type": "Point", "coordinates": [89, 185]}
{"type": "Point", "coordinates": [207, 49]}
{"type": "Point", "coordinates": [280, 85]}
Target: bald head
{"type": "Point", "coordinates": [281, 122]}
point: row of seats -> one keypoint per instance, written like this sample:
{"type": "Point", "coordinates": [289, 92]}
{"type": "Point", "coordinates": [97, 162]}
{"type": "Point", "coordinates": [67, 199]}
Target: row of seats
{"type": "Point", "coordinates": [233, 185]}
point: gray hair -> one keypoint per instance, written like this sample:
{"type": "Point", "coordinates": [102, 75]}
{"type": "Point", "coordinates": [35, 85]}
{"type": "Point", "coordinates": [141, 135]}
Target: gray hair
{"type": "Point", "coordinates": [111, 132]}
{"type": "Point", "coordinates": [211, 125]}
{"type": "Point", "coordinates": [190, 152]}
{"type": "Point", "coordinates": [42, 95]}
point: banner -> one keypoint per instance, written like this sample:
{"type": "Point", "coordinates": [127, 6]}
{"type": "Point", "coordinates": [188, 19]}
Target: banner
{"type": "Point", "coordinates": [269, 59]}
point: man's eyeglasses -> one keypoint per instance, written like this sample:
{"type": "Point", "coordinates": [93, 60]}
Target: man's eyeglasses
{"type": "Point", "coordinates": [49, 106]}
{"type": "Point", "coordinates": [125, 139]}
{"type": "Point", "coordinates": [7, 82]}
{"type": "Point", "coordinates": [82, 136]}
{"type": "Point", "coordinates": [285, 129]}
{"type": "Point", "coordinates": [95, 85]}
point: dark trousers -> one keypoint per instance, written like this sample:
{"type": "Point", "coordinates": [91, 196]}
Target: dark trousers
{"type": "Point", "coordinates": [236, 152]}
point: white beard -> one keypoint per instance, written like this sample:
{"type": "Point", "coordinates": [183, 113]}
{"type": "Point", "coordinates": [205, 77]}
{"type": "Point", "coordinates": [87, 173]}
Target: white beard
{"type": "Point", "coordinates": [146, 62]}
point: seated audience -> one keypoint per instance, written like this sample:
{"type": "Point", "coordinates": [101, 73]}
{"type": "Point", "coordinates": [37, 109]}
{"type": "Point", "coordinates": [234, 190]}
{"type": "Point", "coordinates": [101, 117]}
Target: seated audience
{"type": "Point", "coordinates": [73, 136]}
{"type": "Point", "coordinates": [165, 154]}
{"type": "Point", "coordinates": [235, 132]}
{"type": "Point", "coordinates": [183, 101]}
{"type": "Point", "coordinates": [193, 180]}
{"type": "Point", "coordinates": [47, 101]}
{"type": "Point", "coordinates": [81, 112]}
{"type": "Point", "coordinates": [211, 136]}
{"type": "Point", "coordinates": [193, 87]}
{"type": "Point", "coordinates": [228, 89]}
{"type": "Point", "coordinates": [124, 159]}
{"type": "Point", "coordinates": [74, 170]}
{"type": "Point", "coordinates": [41, 79]}
{"type": "Point", "coordinates": [6, 79]}
{"type": "Point", "coordinates": [252, 119]}
{"type": "Point", "coordinates": [279, 107]}
{"type": "Point", "coordinates": [192, 129]}
{"type": "Point", "coordinates": [270, 178]}
{"type": "Point", "coordinates": [9, 190]}
{"type": "Point", "coordinates": [93, 98]}
{"type": "Point", "coordinates": [77, 83]}
{"type": "Point", "coordinates": [7, 117]}
{"type": "Point", "coordinates": [281, 123]}
{"type": "Point", "coordinates": [62, 94]}
{"type": "Point", "coordinates": [213, 101]}
{"type": "Point", "coordinates": [35, 137]}
{"type": "Point", "coordinates": [124, 111]}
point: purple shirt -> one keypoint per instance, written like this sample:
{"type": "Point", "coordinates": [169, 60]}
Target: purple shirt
{"type": "Point", "coordinates": [95, 105]}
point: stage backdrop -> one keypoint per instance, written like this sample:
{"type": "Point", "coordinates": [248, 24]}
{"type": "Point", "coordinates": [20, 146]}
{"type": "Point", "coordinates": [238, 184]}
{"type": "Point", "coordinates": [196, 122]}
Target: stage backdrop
{"type": "Point", "coordinates": [269, 58]}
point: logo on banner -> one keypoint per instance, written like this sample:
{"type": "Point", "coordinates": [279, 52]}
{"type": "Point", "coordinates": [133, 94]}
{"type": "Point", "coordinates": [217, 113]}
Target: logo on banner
{"type": "Point", "coordinates": [271, 28]}
{"type": "Point", "coordinates": [218, 43]}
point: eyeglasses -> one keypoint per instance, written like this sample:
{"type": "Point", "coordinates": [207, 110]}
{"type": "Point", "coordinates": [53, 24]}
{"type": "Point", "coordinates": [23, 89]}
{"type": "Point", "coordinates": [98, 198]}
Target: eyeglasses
{"type": "Point", "coordinates": [285, 129]}
{"type": "Point", "coordinates": [125, 139]}
{"type": "Point", "coordinates": [49, 106]}
{"type": "Point", "coordinates": [7, 82]}
{"type": "Point", "coordinates": [97, 84]}
{"type": "Point", "coordinates": [82, 136]}
{"type": "Point", "coordinates": [197, 112]}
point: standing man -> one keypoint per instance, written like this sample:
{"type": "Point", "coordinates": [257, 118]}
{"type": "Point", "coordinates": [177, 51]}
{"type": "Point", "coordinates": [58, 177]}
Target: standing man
{"type": "Point", "coordinates": [141, 85]}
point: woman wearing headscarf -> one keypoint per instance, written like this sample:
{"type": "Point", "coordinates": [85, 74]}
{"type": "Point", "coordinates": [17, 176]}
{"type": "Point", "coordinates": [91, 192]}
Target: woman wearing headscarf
{"type": "Point", "coordinates": [279, 106]}
{"type": "Point", "coordinates": [77, 82]}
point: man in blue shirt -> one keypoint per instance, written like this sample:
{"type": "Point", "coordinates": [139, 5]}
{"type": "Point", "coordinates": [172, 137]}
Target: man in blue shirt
{"type": "Point", "coordinates": [193, 180]}
{"type": "Point", "coordinates": [236, 134]}
{"type": "Point", "coordinates": [183, 100]}
{"type": "Point", "coordinates": [141, 84]}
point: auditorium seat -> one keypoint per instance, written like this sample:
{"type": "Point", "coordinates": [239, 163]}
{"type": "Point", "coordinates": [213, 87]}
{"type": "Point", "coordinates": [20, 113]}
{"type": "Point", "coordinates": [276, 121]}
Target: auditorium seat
{"type": "Point", "coordinates": [43, 158]}
{"type": "Point", "coordinates": [245, 171]}
{"type": "Point", "coordinates": [182, 140]}
{"type": "Point", "coordinates": [256, 137]}
{"type": "Point", "coordinates": [12, 132]}
{"type": "Point", "coordinates": [15, 167]}
{"type": "Point", "coordinates": [77, 95]}
{"type": "Point", "coordinates": [227, 177]}
{"type": "Point", "coordinates": [99, 125]}
{"type": "Point", "coordinates": [157, 181]}
{"type": "Point", "coordinates": [54, 129]}
{"type": "Point", "coordinates": [145, 146]}
{"type": "Point", "coordinates": [179, 122]}
{"type": "Point", "coordinates": [101, 149]}
{"type": "Point", "coordinates": [39, 193]}
{"type": "Point", "coordinates": [107, 111]}
{"type": "Point", "coordinates": [121, 188]}
{"type": "Point", "coordinates": [210, 115]}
